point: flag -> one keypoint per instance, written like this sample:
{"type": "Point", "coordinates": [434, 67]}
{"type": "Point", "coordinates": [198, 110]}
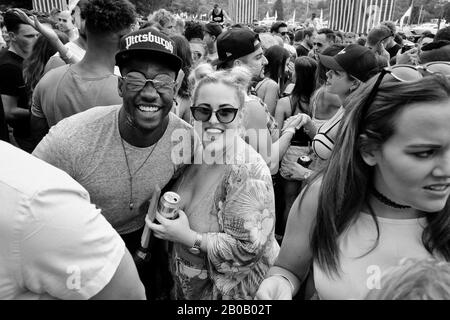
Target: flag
{"type": "Point", "coordinates": [406, 15]}
{"type": "Point", "coordinates": [359, 16]}
{"type": "Point", "coordinates": [243, 11]}
{"type": "Point", "coordinates": [48, 5]}
{"type": "Point", "coordinates": [72, 4]}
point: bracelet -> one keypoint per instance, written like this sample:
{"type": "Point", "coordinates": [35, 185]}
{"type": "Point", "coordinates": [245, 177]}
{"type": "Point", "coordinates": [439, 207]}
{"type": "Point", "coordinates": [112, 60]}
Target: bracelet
{"type": "Point", "coordinates": [68, 55]}
{"type": "Point", "coordinates": [307, 174]}
{"type": "Point", "coordinates": [283, 276]}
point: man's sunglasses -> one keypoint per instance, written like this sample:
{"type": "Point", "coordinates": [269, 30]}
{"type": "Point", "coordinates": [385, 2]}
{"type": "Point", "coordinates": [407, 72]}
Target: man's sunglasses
{"type": "Point", "coordinates": [204, 112]}
{"type": "Point", "coordinates": [407, 73]}
{"type": "Point", "coordinates": [136, 81]}
{"type": "Point", "coordinates": [283, 33]}
{"type": "Point", "coordinates": [318, 44]}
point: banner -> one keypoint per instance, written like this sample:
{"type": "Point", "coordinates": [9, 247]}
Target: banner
{"type": "Point", "coordinates": [359, 16]}
{"type": "Point", "coordinates": [48, 5]}
{"type": "Point", "coordinates": [243, 11]}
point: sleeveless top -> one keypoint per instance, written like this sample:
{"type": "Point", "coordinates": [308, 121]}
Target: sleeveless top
{"type": "Point", "coordinates": [300, 138]}
{"type": "Point", "coordinates": [362, 270]}
{"type": "Point", "coordinates": [325, 138]}
{"type": "Point", "coordinates": [217, 17]}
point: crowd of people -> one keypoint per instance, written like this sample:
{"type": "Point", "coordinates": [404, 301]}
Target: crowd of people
{"type": "Point", "coordinates": [309, 163]}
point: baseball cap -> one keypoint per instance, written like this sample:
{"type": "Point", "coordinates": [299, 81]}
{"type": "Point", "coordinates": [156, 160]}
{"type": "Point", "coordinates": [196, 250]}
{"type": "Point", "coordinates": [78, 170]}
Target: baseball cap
{"type": "Point", "coordinates": [378, 34]}
{"type": "Point", "coordinates": [213, 28]}
{"type": "Point", "coordinates": [235, 43]}
{"type": "Point", "coordinates": [151, 42]}
{"type": "Point", "coordinates": [358, 61]}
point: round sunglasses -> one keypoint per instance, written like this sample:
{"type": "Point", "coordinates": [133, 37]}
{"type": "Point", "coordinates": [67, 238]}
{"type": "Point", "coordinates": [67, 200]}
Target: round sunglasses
{"type": "Point", "coordinates": [203, 113]}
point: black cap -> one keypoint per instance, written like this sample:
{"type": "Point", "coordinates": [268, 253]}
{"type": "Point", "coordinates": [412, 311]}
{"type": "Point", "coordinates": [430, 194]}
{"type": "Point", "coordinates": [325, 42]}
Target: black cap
{"type": "Point", "coordinates": [235, 43]}
{"type": "Point", "coordinates": [358, 61]}
{"type": "Point", "coordinates": [213, 28]}
{"type": "Point", "coordinates": [151, 42]}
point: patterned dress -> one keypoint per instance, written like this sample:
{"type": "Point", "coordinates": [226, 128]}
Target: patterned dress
{"type": "Point", "coordinates": [238, 218]}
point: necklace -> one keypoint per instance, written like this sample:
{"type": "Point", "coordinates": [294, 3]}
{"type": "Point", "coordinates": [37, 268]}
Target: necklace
{"type": "Point", "coordinates": [131, 204]}
{"type": "Point", "coordinates": [382, 198]}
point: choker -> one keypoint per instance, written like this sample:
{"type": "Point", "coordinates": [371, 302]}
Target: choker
{"type": "Point", "coordinates": [382, 198]}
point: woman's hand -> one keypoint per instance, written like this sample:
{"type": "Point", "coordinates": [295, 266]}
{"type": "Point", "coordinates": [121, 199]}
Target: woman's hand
{"type": "Point", "coordinates": [410, 57]}
{"type": "Point", "coordinates": [297, 121]}
{"type": "Point", "coordinates": [274, 288]}
{"type": "Point", "coordinates": [293, 170]}
{"type": "Point", "coordinates": [176, 230]}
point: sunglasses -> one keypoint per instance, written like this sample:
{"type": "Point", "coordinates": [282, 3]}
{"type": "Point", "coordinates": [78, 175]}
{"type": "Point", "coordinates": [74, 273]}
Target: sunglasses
{"type": "Point", "coordinates": [204, 112]}
{"type": "Point", "coordinates": [283, 33]}
{"type": "Point", "coordinates": [318, 44]}
{"type": "Point", "coordinates": [136, 81]}
{"type": "Point", "coordinates": [407, 73]}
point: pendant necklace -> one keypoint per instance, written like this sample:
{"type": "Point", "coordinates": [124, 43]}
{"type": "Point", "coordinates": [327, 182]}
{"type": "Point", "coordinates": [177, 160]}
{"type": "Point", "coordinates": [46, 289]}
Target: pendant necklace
{"type": "Point", "coordinates": [131, 204]}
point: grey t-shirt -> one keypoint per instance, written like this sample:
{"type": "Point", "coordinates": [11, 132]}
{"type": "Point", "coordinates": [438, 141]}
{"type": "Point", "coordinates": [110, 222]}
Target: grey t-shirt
{"type": "Point", "coordinates": [62, 93]}
{"type": "Point", "coordinates": [87, 146]}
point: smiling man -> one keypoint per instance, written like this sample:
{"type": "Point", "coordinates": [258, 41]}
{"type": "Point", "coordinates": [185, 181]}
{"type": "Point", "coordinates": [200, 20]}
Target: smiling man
{"type": "Point", "coordinates": [121, 153]}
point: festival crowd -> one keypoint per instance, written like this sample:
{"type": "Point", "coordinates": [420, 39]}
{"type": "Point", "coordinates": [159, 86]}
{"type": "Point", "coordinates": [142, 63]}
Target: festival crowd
{"type": "Point", "coordinates": [309, 163]}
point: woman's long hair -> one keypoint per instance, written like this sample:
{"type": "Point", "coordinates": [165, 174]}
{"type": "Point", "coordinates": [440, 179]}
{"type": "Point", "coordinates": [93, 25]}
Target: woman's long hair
{"type": "Point", "coordinates": [305, 84]}
{"type": "Point", "coordinates": [276, 62]}
{"type": "Point", "coordinates": [33, 66]}
{"type": "Point", "coordinates": [347, 179]}
{"type": "Point", "coordinates": [183, 51]}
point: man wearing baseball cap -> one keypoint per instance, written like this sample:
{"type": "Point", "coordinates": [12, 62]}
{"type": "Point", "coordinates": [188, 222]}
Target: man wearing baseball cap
{"type": "Point", "coordinates": [121, 153]}
{"type": "Point", "coordinates": [241, 47]}
{"type": "Point", "coordinates": [211, 31]}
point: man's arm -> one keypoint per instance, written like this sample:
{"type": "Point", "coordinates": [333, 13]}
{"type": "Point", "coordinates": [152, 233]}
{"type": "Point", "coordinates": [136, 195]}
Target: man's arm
{"type": "Point", "coordinates": [125, 284]}
{"type": "Point", "coordinates": [68, 249]}
{"type": "Point", "coordinates": [11, 108]}
{"type": "Point", "coordinates": [39, 128]}
{"type": "Point", "coordinates": [226, 16]}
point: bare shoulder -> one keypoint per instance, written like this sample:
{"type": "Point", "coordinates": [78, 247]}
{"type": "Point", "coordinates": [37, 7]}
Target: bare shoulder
{"type": "Point", "coordinates": [308, 199]}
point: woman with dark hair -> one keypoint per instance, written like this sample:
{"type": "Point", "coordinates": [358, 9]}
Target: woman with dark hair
{"type": "Point", "coordinates": [268, 89]}
{"type": "Point", "coordinates": [34, 65]}
{"type": "Point", "coordinates": [292, 105]}
{"type": "Point", "coordinates": [183, 99]}
{"type": "Point", "coordinates": [324, 104]}
{"type": "Point", "coordinates": [383, 196]}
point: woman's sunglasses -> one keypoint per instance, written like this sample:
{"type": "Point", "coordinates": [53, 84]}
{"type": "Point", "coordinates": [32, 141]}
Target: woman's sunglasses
{"type": "Point", "coordinates": [407, 73]}
{"type": "Point", "coordinates": [224, 115]}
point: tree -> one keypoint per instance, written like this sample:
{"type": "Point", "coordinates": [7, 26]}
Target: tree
{"type": "Point", "coordinates": [278, 7]}
{"type": "Point", "coordinates": [25, 4]}
{"type": "Point", "coordinates": [447, 12]}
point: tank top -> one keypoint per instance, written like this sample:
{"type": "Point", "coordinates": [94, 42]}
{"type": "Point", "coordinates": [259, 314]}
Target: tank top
{"type": "Point", "coordinates": [300, 138]}
{"type": "Point", "coordinates": [217, 17]}
{"type": "Point", "coordinates": [324, 140]}
{"type": "Point", "coordinates": [361, 271]}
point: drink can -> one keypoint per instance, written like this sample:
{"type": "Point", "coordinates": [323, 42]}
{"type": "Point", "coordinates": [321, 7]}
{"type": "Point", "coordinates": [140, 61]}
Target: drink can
{"type": "Point", "coordinates": [168, 205]}
{"type": "Point", "coordinates": [305, 161]}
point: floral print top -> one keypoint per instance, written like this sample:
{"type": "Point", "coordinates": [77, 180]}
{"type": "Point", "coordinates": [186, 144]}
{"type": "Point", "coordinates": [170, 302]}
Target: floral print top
{"type": "Point", "coordinates": [241, 247]}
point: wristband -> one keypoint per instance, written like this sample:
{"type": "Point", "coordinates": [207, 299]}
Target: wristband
{"type": "Point", "coordinates": [284, 277]}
